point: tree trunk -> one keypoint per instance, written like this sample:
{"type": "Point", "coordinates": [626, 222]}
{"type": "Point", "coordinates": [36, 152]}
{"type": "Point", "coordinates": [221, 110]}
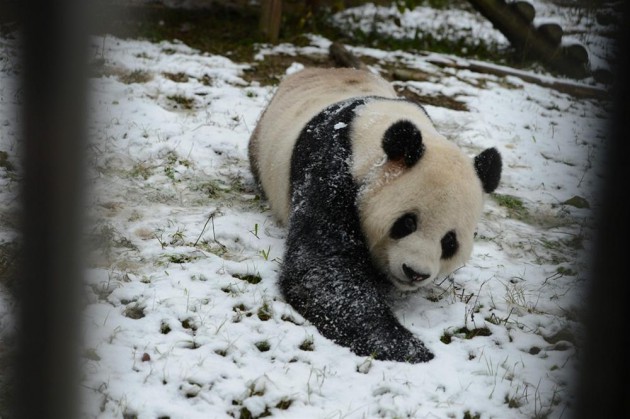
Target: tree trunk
{"type": "Point", "coordinates": [530, 42]}
{"type": "Point", "coordinates": [270, 18]}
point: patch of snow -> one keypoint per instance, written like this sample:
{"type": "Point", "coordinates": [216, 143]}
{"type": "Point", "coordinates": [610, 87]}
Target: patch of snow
{"type": "Point", "coordinates": [420, 22]}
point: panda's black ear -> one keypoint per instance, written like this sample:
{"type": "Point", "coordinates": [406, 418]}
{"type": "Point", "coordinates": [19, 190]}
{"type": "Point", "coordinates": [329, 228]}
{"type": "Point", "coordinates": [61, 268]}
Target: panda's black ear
{"type": "Point", "coordinates": [488, 166]}
{"type": "Point", "coordinates": [403, 141]}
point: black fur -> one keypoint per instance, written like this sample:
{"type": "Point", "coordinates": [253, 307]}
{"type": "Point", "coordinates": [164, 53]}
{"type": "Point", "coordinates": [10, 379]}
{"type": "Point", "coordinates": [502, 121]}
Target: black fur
{"type": "Point", "coordinates": [404, 226]}
{"type": "Point", "coordinates": [327, 273]}
{"type": "Point", "coordinates": [488, 166]}
{"type": "Point", "coordinates": [403, 141]}
{"type": "Point", "coordinates": [449, 244]}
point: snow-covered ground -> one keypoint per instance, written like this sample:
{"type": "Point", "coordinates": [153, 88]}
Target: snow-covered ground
{"type": "Point", "coordinates": [419, 22]}
{"type": "Point", "coordinates": [184, 318]}
{"type": "Point", "coordinates": [460, 24]}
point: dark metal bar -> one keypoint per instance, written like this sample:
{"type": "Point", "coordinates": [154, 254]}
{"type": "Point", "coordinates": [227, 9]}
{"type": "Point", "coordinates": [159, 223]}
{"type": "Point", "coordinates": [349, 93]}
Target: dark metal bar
{"type": "Point", "coordinates": [54, 118]}
{"type": "Point", "coordinates": [604, 390]}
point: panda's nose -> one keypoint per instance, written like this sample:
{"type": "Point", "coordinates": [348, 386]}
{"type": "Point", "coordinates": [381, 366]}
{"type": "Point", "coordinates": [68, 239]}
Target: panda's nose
{"type": "Point", "coordinates": [413, 275]}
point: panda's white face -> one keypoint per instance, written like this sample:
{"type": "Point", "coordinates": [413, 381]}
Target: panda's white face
{"type": "Point", "coordinates": [419, 202]}
{"type": "Point", "coordinates": [422, 224]}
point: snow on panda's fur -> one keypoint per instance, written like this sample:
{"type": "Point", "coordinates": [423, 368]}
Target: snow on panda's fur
{"type": "Point", "coordinates": [372, 194]}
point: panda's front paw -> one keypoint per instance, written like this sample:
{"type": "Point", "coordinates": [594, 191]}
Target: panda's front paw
{"type": "Point", "coordinates": [420, 353]}
{"type": "Point", "coordinates": [407, 349]}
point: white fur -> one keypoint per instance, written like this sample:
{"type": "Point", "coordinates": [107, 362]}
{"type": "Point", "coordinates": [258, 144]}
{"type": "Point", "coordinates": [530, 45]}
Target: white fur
{"type": "Point", "coordinates": [442, 188]}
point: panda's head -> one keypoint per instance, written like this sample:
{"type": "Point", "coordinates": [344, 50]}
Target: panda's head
{"type": "Point", "coordinates": [421, 204]}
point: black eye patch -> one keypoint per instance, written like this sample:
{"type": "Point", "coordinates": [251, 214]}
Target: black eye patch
{"type": "Point", "coordinates": [449, 245]}
{"type": "Point", "coordinates": [404, 226]}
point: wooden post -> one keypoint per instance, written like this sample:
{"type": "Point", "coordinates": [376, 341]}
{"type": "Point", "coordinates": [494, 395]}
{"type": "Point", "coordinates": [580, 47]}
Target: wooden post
{"type": "Point", "coordinates": [270, 18]}
{"type": "Point", "coordinates": [524, 10]}
{"type": "Point", "coordinates": [552, 32]}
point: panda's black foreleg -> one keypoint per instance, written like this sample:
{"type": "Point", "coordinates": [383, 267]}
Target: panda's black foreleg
{"type": "Point", "coordinates": [348, 312]}
{"type": "Point", "coordinates": [340, 296]}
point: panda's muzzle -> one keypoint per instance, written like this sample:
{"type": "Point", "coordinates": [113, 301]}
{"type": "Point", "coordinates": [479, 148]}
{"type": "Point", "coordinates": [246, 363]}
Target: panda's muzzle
{"type": "Point", "coordinates": [413, 275]}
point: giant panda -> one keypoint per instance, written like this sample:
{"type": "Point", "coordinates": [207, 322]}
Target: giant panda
{"type": "Point", "coordinates": [373, 197]}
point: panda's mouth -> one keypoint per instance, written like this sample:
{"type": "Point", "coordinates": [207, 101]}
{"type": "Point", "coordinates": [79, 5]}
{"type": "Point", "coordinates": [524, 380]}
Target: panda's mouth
{"type": "Point", "coordinates": [405, 278]}
{"type": "Point", "coordinates": [405, 285]}
{"type": "Point", "coordinates": [414, 276]}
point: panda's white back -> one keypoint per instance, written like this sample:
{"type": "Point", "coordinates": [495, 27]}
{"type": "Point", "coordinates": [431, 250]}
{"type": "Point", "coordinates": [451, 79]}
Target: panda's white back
{"type": "Point", "coordinates": [298, 99]}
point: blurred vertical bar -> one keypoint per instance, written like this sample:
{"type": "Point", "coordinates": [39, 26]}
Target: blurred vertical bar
{"type": "Point", "coordinates": [604, 388]}
{"type": "Point", "coordinates": [53, 143]}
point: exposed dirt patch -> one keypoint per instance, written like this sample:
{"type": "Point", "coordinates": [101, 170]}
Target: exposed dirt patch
{"type": "Point", "coordinates": [434, 100]}
{"type": "Point", "coordinates": [269, 70]}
